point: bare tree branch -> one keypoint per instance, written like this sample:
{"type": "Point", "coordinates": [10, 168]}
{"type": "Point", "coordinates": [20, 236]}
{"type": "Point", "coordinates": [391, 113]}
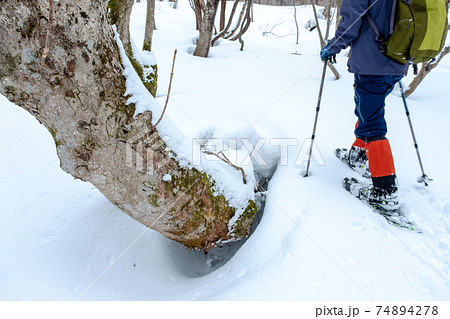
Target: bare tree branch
{"type": "Point", "coordinates": [230, 20]}
{"type": "Point", "coordinates": [220, 155]}
{"type": "Point", "coordinates": [425, 70]}
{"type": "Point", "coordinates": [322, 41]}
{"type": "Point", "coordinates": [236, 26]}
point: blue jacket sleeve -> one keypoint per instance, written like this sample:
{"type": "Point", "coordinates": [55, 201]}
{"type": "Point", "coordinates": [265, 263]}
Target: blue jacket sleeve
{"type": "Point", "coordinates": [352, 12]}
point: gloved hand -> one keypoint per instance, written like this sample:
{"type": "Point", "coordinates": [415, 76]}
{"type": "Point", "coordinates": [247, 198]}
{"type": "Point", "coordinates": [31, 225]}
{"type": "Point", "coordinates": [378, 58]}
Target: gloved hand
{"type": "Point", "coordinates": [326, 55]}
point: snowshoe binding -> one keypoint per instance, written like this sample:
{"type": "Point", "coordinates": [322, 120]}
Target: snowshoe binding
{"type": "Point", "coordinates": [384, 203]}
{"type": "Point", "coordinates": [356, 159]}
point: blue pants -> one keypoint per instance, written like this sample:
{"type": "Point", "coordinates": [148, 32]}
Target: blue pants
{"type": "Point", "coordinates": [370, 94]}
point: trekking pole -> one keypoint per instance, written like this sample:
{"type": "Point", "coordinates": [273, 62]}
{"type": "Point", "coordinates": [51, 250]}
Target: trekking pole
{"type": "Point", "coordinates": [424, 178]}
{"type": "Point", "coordinates": [313, 136]}
{"type": "Point", "coordinates": [325, 63]}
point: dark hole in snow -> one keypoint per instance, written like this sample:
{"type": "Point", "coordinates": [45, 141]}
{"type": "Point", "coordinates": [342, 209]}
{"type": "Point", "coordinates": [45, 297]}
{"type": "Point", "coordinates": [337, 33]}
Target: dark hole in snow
{"type": "Point", "coordinates": [197, 264]}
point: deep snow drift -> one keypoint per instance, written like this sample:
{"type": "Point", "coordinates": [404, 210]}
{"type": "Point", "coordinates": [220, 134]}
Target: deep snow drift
{"type": "Point", "coordinates": [314, 242]}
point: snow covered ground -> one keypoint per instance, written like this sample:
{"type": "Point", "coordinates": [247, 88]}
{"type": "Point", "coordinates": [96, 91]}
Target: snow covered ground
{"type": "Point", "coordinates": [315, 241]}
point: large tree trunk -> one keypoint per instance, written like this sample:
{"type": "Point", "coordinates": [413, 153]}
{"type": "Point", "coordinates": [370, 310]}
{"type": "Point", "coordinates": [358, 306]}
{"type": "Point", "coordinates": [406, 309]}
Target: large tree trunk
{"type": "Point", "coordinates": [60, 61]}
{"type": "Point", "coordinates": [206, 27]}
{"type": "Point", "coordinates": [149, 25]}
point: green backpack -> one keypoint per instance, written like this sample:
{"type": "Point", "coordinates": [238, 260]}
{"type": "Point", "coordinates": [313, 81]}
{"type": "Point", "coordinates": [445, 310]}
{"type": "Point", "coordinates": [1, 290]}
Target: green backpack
{"type": "Point", "coordinates": [418, 29]}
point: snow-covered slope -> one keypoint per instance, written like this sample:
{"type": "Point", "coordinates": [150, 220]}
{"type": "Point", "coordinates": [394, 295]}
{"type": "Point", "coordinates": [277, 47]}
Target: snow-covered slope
{"type": "Point", "coordinates": [314, 242]}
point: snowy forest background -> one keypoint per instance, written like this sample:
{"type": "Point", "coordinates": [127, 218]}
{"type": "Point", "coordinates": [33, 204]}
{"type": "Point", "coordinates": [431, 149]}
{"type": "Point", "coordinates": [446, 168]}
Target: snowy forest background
{"type": "Point", "coordinates": [63, 239]}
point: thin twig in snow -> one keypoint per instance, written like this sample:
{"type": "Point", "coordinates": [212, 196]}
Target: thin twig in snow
{"type": "Point", "coordinates": [168, 91]}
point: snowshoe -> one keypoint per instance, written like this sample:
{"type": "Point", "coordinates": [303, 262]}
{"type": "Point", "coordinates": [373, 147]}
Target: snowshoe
{"type": "Point", "coordinates": [373, 196]}
{"type": "Point", "coordinates": [387, 205]}
{"type": "Point", "coordinates": [356, 159]}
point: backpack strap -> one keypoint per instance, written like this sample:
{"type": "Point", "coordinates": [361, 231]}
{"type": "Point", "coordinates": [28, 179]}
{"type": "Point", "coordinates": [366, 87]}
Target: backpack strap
{"type": "Point", "coordinates": [379, 37]}
{"type": "Point", "coordinates": [394, 14]}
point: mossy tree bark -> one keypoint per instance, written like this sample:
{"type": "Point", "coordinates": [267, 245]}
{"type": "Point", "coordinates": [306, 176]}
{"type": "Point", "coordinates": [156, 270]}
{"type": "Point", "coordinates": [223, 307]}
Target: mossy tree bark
{"type": "Point", "coordinates": [206, 27]}
{"type": "Point", "coordinates": [119, 15]}
{"type": "Point", "coordinates": [60, 62]}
